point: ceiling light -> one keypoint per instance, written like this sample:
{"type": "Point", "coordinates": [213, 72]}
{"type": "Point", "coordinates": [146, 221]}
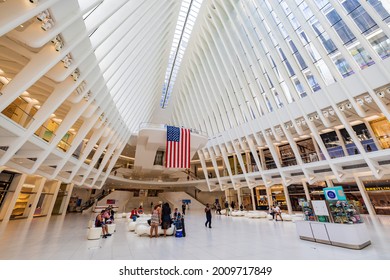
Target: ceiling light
{"type": "Point", "coordinates": [34, 1]}
{"type": "Point", "coordinates": [316, 116]}
{"type": "Point", "coordinates": [311, 119]}
{"type": "Point", "coordinates": [360, 101]}
{"type": "Point", "coordinates": [43, 15]}
{"type": "Point", "coordinates": [381, 94]}
{"type": "Point", "coordinates": [47, 24]}
{"type": "Point", "coordinates": [348, 105]}
{"type": "Point", "coordinates": [75, 74]}
{"type": "Point", "coordinates": [368, 98]}
{"type": "Point", "coordinates": [58, 46]}
{"type": "Point", "coordinates": [341, 107]}
{"type": "Point", "coordinates": [67, 60]}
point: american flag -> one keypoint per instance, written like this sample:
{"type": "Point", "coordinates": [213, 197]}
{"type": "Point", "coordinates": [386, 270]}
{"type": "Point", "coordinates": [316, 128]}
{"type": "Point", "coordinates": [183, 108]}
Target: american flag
{"type": "Point", "coordinates": [178, 147]}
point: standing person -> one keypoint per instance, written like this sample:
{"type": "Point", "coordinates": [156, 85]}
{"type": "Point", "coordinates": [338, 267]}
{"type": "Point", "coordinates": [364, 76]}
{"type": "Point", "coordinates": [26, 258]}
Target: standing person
{"type": "Point", "coordinates": [155, 221]}
{"type": "Point", "coordinates": [227, 208]}
{"type": "Point", "coordinates": [151, 206]}
{"type": "Point", "coordinates": [183, 208]}
{"type": "Point", "coordinates": [278, 212]}
{"type": "Point", "coordinates": [233, 205]}
{"type": "Point", "coordinates": [271, 212]}
{"type": "Point", "coordinates": [175, 214]}
{"type": "Point", "coordinates": [166, 217]}
{"type": "Point", "coordinates": [207, 210]}
{"type": "Point", "coordinates": [218, 208]}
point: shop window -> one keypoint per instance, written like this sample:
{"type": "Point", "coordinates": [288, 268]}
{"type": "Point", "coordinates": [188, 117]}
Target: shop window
{"type": "Point", "coordinates": [332, 144]}
{"type": "Point", "coordinates": [5, 182]}
{"type": "Point", "coordinates": [269, 160]}
{"type": "Point", "coordinates": [364, 136]}
{"type": "Point", "coordinates": [261, 198]}
{"type": "Point", "coordinates": [379, 194]}
{"type": "Point", "coordinates": [287, 155]}
{"type": "Point", "coordinates": [297, 194]}
{"type": "Point", "coordinates": [381, 128]}
{"type": "Point", "coordinates": [307, 150]}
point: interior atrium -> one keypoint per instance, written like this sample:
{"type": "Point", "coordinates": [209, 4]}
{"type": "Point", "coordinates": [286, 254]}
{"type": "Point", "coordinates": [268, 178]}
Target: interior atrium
{"type": "Point", "coordinates": [282, 99]}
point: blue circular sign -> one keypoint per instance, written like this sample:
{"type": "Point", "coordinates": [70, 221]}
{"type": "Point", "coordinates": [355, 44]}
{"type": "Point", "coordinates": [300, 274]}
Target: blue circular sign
{"type": "Point", "coordinates": [331, 194]}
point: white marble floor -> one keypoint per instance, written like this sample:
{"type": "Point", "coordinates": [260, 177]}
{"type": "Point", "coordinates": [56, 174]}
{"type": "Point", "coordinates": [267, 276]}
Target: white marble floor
{"type": "Point", "coordinates": [231, 238]}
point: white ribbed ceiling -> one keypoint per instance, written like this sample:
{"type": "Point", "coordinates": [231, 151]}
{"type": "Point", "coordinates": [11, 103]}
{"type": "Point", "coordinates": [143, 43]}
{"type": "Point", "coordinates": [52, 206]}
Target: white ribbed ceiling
{"type": "Point", "coordinates": [132, 40]}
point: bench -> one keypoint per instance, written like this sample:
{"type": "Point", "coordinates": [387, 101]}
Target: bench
{"type": "Point", "coordinates": [256, 214]}
{"type": "Point", "coordinates": [94, 233]}
{"type": "Point", "coordinates": [144, 229]}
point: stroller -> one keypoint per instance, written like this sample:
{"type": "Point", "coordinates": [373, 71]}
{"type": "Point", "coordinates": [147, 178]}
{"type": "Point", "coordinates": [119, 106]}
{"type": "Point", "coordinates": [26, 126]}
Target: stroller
{"type": "Point", "coordinates": [179, 226]}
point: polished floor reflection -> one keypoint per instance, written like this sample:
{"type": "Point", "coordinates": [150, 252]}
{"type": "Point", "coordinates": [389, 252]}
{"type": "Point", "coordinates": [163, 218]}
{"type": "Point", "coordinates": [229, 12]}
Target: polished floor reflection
{"type": "Point", "coordinates": [65, 238]}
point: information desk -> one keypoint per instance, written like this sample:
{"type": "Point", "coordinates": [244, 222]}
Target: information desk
{"type": "Point", "coordinates": [352, 236]}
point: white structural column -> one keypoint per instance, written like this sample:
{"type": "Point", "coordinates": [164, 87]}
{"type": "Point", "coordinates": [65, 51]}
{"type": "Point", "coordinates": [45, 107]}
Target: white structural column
{"type": "Point", "coordinates": [65, 203]}
{"type": "Point", "coordinates": [253, 198]}
{"type": "Point", "coordinates": [306, 189]}
{"type": "Point", "coordinates": [11, 197]}
{"type": "Point", "coordinates": [288, 200]}
{"type": "Point", "coordinates": [39, 184]}
{"type": "Point", "coordinates": [366, 198]}
{"type": "Point", "coordinates": [54, 187]}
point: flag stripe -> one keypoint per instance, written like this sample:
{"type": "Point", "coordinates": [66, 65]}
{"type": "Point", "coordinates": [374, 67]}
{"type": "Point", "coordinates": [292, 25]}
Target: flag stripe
{"type": "Point", "coordinates": [178, 147]}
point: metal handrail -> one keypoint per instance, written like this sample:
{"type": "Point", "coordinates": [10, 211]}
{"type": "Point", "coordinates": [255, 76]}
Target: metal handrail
{"type": "Point", "coordinates": [163, 126]}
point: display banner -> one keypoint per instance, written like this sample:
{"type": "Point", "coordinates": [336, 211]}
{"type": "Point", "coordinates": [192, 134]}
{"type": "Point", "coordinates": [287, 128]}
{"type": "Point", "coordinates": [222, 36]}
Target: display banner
{"type": "Point", "coordinates": [335, 193]}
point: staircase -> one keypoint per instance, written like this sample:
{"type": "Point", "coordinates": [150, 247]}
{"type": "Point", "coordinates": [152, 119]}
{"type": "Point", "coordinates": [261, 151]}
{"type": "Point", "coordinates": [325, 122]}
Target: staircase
{"type": "Point", "coordinates": [176, 198]}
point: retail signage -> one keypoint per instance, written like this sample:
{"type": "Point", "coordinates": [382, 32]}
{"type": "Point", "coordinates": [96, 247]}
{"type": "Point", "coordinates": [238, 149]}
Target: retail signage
{"type": "Point", "coordinates": [378, 188]}
{"type": "Point", "coordinates": [111, 201]}
{"type": "Point", "coordinates": [335, 193]}
{"type": "Point", "coordinates": [319, 207]}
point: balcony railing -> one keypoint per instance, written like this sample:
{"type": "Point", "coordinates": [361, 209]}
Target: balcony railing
{"type": "Point", "coordinates": [163, 126]}
{"type": "Point", "coordinates": [18, 115]}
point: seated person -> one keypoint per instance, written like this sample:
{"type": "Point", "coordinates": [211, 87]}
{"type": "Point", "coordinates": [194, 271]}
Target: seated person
{"type": "Point", "coordinates": [100, 222]}
{"type": "Point", "coordinates": [140, 210]}
{"type": "Point", "coordinates": [134, 214]}
{"type": "Point", "coordinates": [107, 216]}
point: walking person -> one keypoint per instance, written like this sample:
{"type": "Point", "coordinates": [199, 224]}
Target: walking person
{"type": "Point", "coordinates": [183, 208]}
{"type": "Point", "coordinates": [207, 210]}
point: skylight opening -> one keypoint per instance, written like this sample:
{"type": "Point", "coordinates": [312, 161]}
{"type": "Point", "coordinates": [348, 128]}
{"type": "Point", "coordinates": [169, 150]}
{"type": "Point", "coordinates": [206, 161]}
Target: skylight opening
{"type": "Point", "coordinates": [187, 16]}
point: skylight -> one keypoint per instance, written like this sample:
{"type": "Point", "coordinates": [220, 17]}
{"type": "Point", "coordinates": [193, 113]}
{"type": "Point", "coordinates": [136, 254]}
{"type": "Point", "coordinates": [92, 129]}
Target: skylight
{"type": "Point", "coordinates": [188, 12]}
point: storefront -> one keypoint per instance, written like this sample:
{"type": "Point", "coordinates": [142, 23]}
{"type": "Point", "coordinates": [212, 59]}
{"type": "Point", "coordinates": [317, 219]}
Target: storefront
{"type": "Point", "coordinates": [381, 128]}
{"type": "Point", "coordinates": [296, 193]}
{"type": "Point", "coordinates": [261, 200]}
{"type": "Point", "coordinates": [379, 194]}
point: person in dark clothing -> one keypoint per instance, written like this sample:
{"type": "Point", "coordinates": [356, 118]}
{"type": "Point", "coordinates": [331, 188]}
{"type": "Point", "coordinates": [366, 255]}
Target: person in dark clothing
{"type": "Point", "coordinates": [165, 217]}
{"type": "Point", "coordinates": [227, 208]}
{"type": "Point", "coordinates": [183, 208]}
{"type": "Point", "coordinates": [218, 208]}
{"type": "Point", "coordinates": [207, 210]}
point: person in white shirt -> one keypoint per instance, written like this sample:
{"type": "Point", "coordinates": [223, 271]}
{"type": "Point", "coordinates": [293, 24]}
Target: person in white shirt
{"type": "Point", "coordinates": [277, 212]}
